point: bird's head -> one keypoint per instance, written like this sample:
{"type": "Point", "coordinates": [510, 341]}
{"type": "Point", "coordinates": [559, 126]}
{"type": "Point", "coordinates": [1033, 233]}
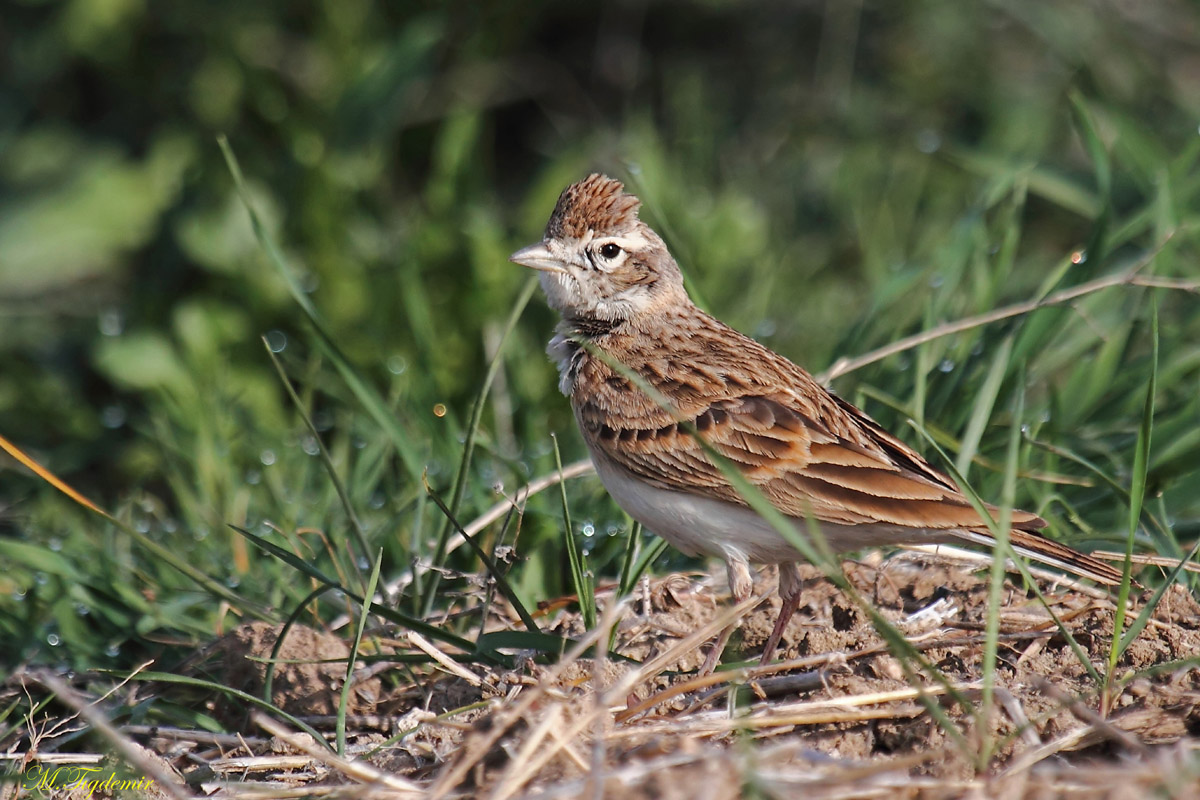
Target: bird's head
{"type": "Point", "coordinates": [598, 261]}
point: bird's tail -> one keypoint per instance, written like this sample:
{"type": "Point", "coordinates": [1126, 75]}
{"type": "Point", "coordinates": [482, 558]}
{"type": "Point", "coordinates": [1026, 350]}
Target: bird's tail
{"type": "Point", "coordinates": [1048, 551]}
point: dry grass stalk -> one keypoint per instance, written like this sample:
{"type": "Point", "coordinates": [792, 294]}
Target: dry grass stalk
{"type": "Point", "coordinates": [447, 663]}
{"type": "Point", "coordinates": [476, 748]}
{"type": "Point", "coordinates": [1128, 277]}
{"type": "Point", "coordinates": [259, 763]}
{"type": "Point", "coordinates": [358, 771]}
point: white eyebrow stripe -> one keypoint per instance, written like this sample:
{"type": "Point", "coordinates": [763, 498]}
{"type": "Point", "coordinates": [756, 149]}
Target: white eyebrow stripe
{"type": "Point", "coordinates": [630, 241]}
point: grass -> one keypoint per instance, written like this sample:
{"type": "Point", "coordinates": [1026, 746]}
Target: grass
{"type": "Point", "coordinates": [403, 390]}
{"type": "Point", "coordinates": [976, 419]}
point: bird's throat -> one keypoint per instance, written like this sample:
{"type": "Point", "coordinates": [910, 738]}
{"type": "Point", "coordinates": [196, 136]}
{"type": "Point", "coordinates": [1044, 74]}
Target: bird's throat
{"type": "Point", "coordinates": [590, 328]}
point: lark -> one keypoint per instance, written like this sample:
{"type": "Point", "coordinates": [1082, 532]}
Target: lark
{"type": "Point", "coordinates": [814, 456]}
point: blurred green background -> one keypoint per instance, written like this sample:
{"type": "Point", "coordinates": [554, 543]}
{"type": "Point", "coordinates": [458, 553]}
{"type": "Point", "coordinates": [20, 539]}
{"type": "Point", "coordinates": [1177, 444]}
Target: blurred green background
{"type": "Point", "coordinates": [832, 176]}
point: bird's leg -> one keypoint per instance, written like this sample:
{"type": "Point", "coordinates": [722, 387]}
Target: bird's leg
{"type": "Point", "coordinates": [790, 586]}
{"type": "Point", "coordinates": [741, 584]}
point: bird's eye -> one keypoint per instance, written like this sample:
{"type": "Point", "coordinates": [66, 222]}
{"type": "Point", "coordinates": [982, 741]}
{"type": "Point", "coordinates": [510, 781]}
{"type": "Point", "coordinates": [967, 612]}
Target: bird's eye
{"type": "Point", "coordinates": [610, 250]}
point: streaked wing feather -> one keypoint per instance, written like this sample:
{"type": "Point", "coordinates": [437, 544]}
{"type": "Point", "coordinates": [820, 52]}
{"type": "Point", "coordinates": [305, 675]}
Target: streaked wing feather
{"type": "Point", "coordinates": [800, 464]}
{"type": "Point", "coordinates": [805, 470]}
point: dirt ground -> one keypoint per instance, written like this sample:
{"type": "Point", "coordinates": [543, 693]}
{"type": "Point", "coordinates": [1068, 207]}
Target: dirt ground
{"type": "Point", "coordinates": [842, 716]}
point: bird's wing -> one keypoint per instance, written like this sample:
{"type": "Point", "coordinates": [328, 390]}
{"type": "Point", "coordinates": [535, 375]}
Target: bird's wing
{"type": "Point", "coordinates": [797, 461]}
{"type": "Point", "coordinates": [805, 469]}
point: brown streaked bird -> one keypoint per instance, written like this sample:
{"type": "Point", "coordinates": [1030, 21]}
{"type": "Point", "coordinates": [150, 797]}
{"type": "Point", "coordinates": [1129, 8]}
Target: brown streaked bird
{"type": "Point", "coordinates": [811, 453]}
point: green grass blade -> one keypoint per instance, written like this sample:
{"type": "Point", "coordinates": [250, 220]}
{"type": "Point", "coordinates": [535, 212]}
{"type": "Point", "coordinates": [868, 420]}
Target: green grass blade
{"type": "Point", "coordinates": [348, 683]}
{"type": "Point", "coordinates": [1043, 182]}
{"type": "Point", "coordinates": [356, 525]}
{"type": "Point", "coordinates": [269, 678]}
{"type": "Point", "coordinates": [486, 607]}
{"type": "Point", "coordinates": [464, 466]}
{"type": "Point", "coordinates": [524, 640]}
{"type": "Point", "coordinates": [647, 557]}
{"type": "Point", "coordinates": [185, 680]}
{"type": "Point", "coordinates": [1102, 165]}
{"type": "Point", "coordinates": [366, 394]}
{"type": "Point", "coordinates": [626, 579]}
{"type": "Point", "coordinates": [213, 587]}
{"type": "Point", "coordinates": [1137, 493]}
{"type": "Point", "coordinates": [984, 403]}
{"type": "Point", "coordinates": [414, 624]}
{"type": "Point", "coordinates": [630, 558]}
{"type": "Point", "coordinates": [1143, 617]}
{"type": "Point", "coordinates": [497, 574]}
{"type": "Point", "coordinates": [260, 233]}
{"type": "Point", "coordinates": [288, 557]}
{"type": "Point", "coordinates": [996, 578]}
{"type": "Point", "coordinates": [375, 406]}
{"type": "Point", "coordinates": [398, 617]}
{"type": "Point", "coordinates": [576, 559]}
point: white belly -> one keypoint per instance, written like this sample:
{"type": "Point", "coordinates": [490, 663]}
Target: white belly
{"type": "Point", "coordinates": [705, 526]}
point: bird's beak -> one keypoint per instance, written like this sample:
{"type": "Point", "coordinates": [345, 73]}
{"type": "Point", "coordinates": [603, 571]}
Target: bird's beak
{"type": "Point", "coordinates": [537, 256]}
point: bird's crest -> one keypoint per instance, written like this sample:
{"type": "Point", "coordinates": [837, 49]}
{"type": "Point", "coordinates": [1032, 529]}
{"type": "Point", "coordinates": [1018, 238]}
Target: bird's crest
{"type": "Point", "coordinates": [597, 203]}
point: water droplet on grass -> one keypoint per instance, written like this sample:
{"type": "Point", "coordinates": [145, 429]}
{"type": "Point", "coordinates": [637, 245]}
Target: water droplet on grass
{"type": "Point", "coordinates": [276, 341]}
{"type": "Point", "coordinates": [928, 141]}
{"type": "Point", "coordinates": [112, 417]}
{"type": "Point", "coordinates": [111, 322]}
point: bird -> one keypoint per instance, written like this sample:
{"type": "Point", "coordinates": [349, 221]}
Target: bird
{"type": "Point", "coordinates": [628, 326]}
